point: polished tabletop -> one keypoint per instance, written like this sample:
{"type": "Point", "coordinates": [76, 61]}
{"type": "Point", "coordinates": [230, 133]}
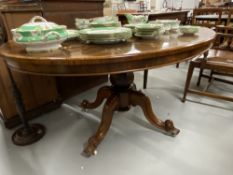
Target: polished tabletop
{"type": "Point", "coordinates": [76, 58]}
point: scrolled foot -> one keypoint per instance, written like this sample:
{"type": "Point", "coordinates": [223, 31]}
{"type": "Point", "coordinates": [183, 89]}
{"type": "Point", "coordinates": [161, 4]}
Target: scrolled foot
{"type": "Point", "coordinates": [170, 128]}
{"type": "Point", "coordinates": [110, 106]}
{"type": "Point", "coordinates": [167, 127]}
{"type": "Point", "coordinates": [90, 149]}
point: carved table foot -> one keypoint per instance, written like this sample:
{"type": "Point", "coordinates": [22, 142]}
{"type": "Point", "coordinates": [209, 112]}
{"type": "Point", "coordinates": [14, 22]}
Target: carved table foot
{"type": "Point", "coordinates": [110, 106]}
{"type": "Point", "coordinates": [140, 99]}
{"type": "Point", "coordinates": [120, 96]}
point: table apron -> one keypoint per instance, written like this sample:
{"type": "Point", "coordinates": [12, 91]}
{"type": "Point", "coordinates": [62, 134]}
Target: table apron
{"type": "Point", "coordinates": [103, 69]}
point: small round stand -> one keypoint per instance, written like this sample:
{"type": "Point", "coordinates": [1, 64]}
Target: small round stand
{"type": "Point", "coordinates": [29, 133]}
{"type": "Point", "coordinates": [23, 136]}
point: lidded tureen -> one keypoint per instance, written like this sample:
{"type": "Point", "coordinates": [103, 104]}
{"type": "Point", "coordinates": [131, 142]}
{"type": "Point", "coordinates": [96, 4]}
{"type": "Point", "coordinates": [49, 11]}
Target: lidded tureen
{"type": "Point", "coordinates": [40, 35]}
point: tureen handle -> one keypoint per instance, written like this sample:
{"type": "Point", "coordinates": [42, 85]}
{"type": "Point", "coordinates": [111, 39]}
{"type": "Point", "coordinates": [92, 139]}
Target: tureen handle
{"type": "Point", "coordinates": [39, 18]}
{"type": "Point", "coordinates": [46, 37]}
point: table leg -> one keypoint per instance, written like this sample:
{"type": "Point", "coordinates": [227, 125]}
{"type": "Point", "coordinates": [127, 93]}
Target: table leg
{"type": "Point", "coordinates": [120, 97]}
{"type": "Point", "coordinates": [102, 94]}
{"type": "Point", "coordinates": [27, 134]}
{"type": "Point", "coordinates": [110, 106]}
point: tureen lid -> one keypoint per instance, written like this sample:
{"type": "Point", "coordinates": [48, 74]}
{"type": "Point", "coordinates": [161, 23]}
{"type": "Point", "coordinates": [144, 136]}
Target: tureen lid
{"type": "Point", "coordinates": [37, 23]}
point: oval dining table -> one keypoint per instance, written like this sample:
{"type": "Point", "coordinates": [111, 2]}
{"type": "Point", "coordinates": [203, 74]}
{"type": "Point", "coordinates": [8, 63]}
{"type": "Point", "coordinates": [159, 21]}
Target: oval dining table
{"type": "Point", "coordinates": [120, 61]}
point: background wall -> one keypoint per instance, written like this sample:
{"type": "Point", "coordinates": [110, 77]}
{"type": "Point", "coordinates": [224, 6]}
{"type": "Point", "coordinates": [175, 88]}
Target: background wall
{"type": "Point", "coordinates": [155, 4]}
{"type": "Point", "coordinates": [186, 4]}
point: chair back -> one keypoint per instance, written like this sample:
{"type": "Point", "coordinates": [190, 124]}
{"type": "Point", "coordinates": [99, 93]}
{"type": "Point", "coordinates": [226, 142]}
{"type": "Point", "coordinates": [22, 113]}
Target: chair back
{"type": "Point", "coordinates": [207, 17]}
{"type": "Point", "coordinates": [224, 38]}
{"type": "Point", "coordinates": [230, 17]}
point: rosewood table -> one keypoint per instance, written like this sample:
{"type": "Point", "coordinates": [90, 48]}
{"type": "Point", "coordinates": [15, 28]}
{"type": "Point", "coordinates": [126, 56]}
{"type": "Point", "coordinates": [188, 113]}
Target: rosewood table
{"type": "Point", "coordinates": [118, 60]}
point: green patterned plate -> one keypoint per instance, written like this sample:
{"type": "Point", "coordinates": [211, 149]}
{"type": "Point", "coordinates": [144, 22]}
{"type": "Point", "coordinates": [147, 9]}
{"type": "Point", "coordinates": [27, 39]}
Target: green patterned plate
{"type": "Point", "coordinates": [105, 35]}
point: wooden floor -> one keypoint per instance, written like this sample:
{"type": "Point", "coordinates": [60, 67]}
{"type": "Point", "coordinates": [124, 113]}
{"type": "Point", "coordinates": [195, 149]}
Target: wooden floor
{"type": "Point", "coordinates": [203, 147]}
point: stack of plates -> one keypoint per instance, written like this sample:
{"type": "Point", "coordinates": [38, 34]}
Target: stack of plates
{"type": "Point", "coordinates": [95, 24]}
{"type": "Point", "coordinates": [106, 21]}
{"type": "Point", "coordinates": [131, 26]}
{"type": "Point", "coordinates": [169, 24]}
{"type": "Point", "coordinates": [189, 30]}
{"type": "Point", "coordinates": [148, 30]}
{"type": "Point", "coordinates": [105, 35]}
{"type": "Point", "coordinates": [72, 34]}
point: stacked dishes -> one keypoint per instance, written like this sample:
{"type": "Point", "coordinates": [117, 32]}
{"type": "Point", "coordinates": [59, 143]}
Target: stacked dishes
{"type": "Point", "coordinates": [72, 34]}
{"type": "Point", "coordinates": [189, 30]}
{"type": "Point", "coordinates": [131, 26]}
{"type": "Point", "coordinates": [40, 35]}
{"type": "Point", "coordinates": [106, 21]}
{"type": "Point", "coordinates": [169, 24]}
{"type": "Point", "coordinates": [82, 23]}
{"type": "Point", "coordinates": [105, 35]}
{"type": "Point", "coordinates": [136, 19]}
{"type": "Point", "coordinates": [148, 30]}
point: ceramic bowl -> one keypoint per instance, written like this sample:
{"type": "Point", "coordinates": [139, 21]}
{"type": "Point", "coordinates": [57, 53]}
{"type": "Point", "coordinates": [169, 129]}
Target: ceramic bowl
{"type": "Point", "coordinates": [105, 24]}
{"type": "Point", "coordinates": [169, 24]}
{"type": "Point", "coordinates": [136, 19]}
{"type": "Point", "coordinates": [105, 19]}
{"type": "Point", "coordinates": [189, 30]}
{"type": "Point", "coordinates": [148, 31]}
{"type": "Point", "coordinates": [82, 23]}
{"type": "Point", "coordinates": [43, 46]}
{"type": "Point", "coordinates": [38, 30]}
{"type": "Point", "coordinates": [147, 26]}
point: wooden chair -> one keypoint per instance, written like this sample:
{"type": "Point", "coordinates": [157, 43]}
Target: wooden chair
{"type": "Point", "coordinates": [219, 60]}
{"type": "Point", "coordinates": [221, 42]}
{"type": "Point", "coordinates": [207, 22]}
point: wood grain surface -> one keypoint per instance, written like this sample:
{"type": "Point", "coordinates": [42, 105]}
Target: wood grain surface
{"type": "Point", "coordinates": [78, 59]}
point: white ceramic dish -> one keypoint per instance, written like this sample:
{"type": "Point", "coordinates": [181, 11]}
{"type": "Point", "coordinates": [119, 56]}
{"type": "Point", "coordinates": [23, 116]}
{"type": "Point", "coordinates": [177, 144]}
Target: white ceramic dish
{"type": "Point", "coordinates": [169, 24]}
{"type": "Point", "coordinates": [44, 46]}
{"type": "Point", "coordinates": [153, 35]}
{"type": "Point", "coordinates": [38, 30]}
{"type": "Point", "coordinates": [189, 30]}
{"type": "Point", "coordinates": [105, 35]}
{"type": "Point", "coordinates": [72, 33]}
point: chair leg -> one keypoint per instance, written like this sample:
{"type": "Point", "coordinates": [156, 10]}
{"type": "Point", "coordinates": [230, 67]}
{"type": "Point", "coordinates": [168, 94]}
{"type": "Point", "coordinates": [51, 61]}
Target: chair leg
{"type": "Point", "coordinates": [199, 77]}
{"type": "Point", "coordinates": [177, 65]}
{"type": "Point", "coordinates": [211, 76]}
{"type": "Point", "coordinates": [188, 80]}
{"type": "Point", "coordinates": [145, 79]}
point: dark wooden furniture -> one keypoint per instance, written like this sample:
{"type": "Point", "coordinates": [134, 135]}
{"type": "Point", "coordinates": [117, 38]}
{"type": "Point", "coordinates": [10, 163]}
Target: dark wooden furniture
{"type": "Point", "coordinates": [199, 13]}
{"type": "Point", "coordinates": [224, 17]}
{"type": "Point", "coordinates": [39, 98]}
{"type": "Point", "coordinates": [120, 61]}
{"type": "Point", "coordinates": [219, 60]}
{"type": "Point", "coordinates": [181, 15]}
